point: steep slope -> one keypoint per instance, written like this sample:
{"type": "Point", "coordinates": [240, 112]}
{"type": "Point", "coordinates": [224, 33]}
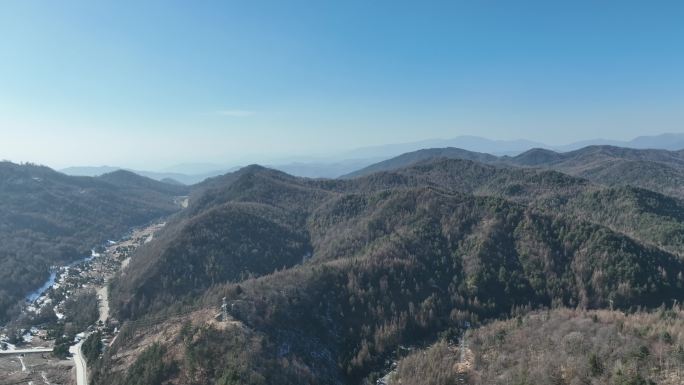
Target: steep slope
{"type": "Point", "coordinates": [396, 258]}
{"type": "Point", "coordinates": [48, 218]}
{"type": "Point", "coordinates": [227, 243]}
{"type": "Point", "coordinates": [256, 184]}
{"type": "Point", "coordinates": [246, 223]}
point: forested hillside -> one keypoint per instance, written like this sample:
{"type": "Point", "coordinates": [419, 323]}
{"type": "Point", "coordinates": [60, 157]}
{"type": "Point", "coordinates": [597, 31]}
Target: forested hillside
{"type": "Point", "coordinates": [557, 347]}
{"type": "Point", "coordinates": [657, 170]}
{"type": "Point", "coordinates": [48, 218]}
{"type": "Point", "coordinates": [643, 214]}
{"type": "Point", "coordinates": [327, 279]}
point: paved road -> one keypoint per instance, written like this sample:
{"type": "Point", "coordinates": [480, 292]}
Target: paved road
{"type": "Point", "coordinates": [26, 351]}
{"type": "Point", "coordinates": [81, 371]}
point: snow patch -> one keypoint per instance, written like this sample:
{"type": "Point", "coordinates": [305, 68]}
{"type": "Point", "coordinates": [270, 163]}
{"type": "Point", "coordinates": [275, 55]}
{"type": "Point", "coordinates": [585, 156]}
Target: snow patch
{"type": "Point", "coordinates": [27, 337]}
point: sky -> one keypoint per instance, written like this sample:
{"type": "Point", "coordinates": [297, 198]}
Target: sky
{"type": "Point", "coordinates": [152, 83]}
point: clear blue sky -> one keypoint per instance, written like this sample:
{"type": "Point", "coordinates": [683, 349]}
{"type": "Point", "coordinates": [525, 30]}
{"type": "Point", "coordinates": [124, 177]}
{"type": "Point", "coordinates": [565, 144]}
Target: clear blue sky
{"type": "Point", "coordinates": [146, 83]}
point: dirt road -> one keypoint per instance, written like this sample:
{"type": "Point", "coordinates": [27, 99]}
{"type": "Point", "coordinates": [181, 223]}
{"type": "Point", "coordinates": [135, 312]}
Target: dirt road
{"type": "Point", "coordinates": [103, 296]}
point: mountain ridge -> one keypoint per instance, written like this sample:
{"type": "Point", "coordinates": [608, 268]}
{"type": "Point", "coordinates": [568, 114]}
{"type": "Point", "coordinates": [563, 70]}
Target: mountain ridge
{"type": "Point", "coordinates": [658, 170]}
{"type": "Point", "coordinates": [391, 258]}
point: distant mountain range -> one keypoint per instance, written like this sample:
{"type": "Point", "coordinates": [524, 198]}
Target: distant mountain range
{"type": "Point", "coordinates": [669, 141]}
{"type": "Point", "coordinates": [168, 177]}
{"type": "Point", "coordinates": [471, 143]}
{"type": "Point", "coordinates": [657, 170]}
{"type": "Point", "coordinates": [347, 162]}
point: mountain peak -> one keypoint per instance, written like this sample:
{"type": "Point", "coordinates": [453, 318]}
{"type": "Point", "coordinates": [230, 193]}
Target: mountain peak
{"type": "Point", "coordinates": [536, 157]}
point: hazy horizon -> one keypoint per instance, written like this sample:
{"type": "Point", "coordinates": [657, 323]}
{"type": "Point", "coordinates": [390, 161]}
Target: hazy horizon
{"type": "Point", "coordinates": [85, 83]}
{"type": "Point", "coordinates": [346, 155]}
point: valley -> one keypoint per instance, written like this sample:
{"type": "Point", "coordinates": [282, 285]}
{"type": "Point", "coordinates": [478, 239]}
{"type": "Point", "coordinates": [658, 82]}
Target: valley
{"type": "Point", "coordinates": [38, 351]}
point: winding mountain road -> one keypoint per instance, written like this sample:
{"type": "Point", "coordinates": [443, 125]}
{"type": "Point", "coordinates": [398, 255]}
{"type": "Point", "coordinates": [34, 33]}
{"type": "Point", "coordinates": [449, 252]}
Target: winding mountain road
{"type": "Point", "coordinates": [81, 364]}
{"type": "Point", "coordinates": [79, 361]}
